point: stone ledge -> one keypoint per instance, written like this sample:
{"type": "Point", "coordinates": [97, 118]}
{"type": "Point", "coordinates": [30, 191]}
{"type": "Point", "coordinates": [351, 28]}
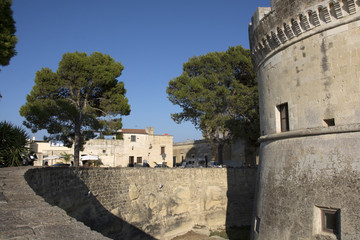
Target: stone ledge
{"type": "Point", "coordinates": [311, 132]}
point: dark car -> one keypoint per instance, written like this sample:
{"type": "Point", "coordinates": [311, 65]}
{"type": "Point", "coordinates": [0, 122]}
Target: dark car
{"type": "Point", "coordinates": [61, 165]}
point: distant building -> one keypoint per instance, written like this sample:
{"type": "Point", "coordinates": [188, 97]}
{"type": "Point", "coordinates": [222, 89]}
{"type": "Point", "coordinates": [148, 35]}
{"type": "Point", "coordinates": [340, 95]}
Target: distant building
{"type": "Point", "coordinates": [129, 147]}
{"type": "Point", "coordinates": [237, 154]}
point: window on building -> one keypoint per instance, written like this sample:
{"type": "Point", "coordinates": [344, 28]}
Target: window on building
{"type": "Point", "coordinates": [131, 161]}
{"type": "Point", "coordinates": [162, 150]}
{"type": "Point", "coordinates": [139, 160]}
{"type": "Point", "coordinates": [330, 219]}
{"type": "Point", "coordinates": [284, 117]}
{"type": "Point", "coordinates": [133, 138]}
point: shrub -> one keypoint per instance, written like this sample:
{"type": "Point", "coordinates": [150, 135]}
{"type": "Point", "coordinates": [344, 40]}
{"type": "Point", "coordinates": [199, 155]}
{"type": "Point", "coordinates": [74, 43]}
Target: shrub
{"type": "Point", "coordinates": [13, 141]}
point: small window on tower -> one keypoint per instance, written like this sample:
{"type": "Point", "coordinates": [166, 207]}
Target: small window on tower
{"type": "Point", "coordinates": [257, 224]}
{"type": "Point", "coordinates": [330, 219]}
{"type": "Point", "coordinates": [284, 117]}
{"type": "Point", "coordinates": [329, 122]}
{"type": "Point", "coordinates": [133, 138]}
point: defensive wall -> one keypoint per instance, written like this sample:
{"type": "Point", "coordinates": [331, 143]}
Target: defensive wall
{"type": "Point", "coordinates": [307, 57]}
{"type": "Point", "coordinates": [143, 203]}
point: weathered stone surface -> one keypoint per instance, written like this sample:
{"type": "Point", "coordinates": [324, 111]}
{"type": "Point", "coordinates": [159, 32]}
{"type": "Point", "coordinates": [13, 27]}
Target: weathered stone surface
{"type": "Point", "coordinates": [148, 203]}
{"type": "Point", "coordinates": [313, 69]}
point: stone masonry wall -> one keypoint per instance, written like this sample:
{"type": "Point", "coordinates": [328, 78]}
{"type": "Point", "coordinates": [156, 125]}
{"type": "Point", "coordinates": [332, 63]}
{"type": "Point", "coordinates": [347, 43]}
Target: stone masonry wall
{"type": "Point", "coordinates": [149, 203]}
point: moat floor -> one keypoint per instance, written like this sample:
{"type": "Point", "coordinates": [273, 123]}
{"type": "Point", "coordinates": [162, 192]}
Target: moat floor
{"type": "Point", "coordinates": [196, 236]}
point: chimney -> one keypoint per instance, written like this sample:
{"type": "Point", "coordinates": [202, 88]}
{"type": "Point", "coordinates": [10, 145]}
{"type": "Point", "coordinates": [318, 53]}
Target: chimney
{"type": "Point", "coordinates": [150, 130]}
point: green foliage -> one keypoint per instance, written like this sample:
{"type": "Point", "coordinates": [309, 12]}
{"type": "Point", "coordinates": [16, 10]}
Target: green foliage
{"type": "Point", "coordinates": [83, 95]}
{"type": "Point", "coordinates": [13, 140]}
{"type": "Point", "coordinates": [67, 157]}
{"type": "Point", "coordinates": [8, 39]}
{"type": "Point", "coordinates": [218, 94]}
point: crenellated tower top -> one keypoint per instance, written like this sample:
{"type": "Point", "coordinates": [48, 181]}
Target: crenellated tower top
{"type": "Point", "coordinates": [289, 21]}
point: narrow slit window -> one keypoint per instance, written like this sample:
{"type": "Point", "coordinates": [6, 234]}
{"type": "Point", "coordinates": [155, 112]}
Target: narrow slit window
{"type": "Point", "coordinates": [329, 122]}
{"type": "Point", "coordinates": [284, 117]}
{"type": "Point", "coordinates": [257, 224]}
{"type": "Point", "coordinates": [330, 219]}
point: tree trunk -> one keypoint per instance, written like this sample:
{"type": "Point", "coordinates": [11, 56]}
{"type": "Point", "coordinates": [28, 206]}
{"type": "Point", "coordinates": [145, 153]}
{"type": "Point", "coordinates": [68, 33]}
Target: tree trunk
{"type": "Point", "coordinates": [220, 152]}
{"type": "Point", "coordinates": [77, 145]}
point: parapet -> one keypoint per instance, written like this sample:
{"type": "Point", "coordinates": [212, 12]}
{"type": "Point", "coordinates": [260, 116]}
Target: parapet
{"type": "Point", "coordinates": [290, 21]}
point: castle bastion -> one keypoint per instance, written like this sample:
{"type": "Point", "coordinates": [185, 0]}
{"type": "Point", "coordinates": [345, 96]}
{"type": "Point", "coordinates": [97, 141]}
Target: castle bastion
{"type": "Point", "coordinates": [307, 57]}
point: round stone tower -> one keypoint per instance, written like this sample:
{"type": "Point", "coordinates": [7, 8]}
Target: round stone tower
{"type": "Point", "coordinates": [307, 57]}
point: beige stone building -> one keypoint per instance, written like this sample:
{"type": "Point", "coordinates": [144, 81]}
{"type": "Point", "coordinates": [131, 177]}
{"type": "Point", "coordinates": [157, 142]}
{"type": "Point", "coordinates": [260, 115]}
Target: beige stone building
{"type": "Point", "coordinates": [137, 146]}
{"type": "Point", "coordinates": [45, 149]}
{"type": "Point", "coordinates": [307, 57]}
{"type": "Point", "coordinates": [236, 155]}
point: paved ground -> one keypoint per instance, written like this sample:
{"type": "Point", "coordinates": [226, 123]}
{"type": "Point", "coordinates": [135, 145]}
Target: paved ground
{"type": "Point", "coordinates": [196, 236]}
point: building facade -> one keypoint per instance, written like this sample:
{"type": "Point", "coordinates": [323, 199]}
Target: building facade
{"type": "Point", "coordinates": [136, 147]}
{"type": "Point", "coordinates": [307, 57]}
{"type": "Point", "coordinates": [238, 154]}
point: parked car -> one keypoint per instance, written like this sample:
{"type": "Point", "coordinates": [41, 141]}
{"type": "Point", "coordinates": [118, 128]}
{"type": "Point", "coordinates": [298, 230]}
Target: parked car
{"type": "Point", "coordinates": [194, 163]}
{"type": "Point", "coordinates": [141, 165]}
{"type": "Point", "coordinates": [214, 164]}
{"type": "Point", "coordinates": [161, 165]}
{"type": "Point", "coordinates": [61, 165]}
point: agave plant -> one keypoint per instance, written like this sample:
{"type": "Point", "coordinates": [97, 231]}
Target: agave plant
{"type": "Point", "coordinates": [13, 144]}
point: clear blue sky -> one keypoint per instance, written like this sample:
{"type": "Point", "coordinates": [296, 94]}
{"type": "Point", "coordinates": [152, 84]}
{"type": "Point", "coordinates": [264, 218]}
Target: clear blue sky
{"type": "Point", "coordinates": [152, 39]}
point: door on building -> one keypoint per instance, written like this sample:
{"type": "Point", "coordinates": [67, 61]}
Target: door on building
{"type": "Point", "coordinates": [139, 160]}
{"type": "Point", "coordinates": [131, 161]}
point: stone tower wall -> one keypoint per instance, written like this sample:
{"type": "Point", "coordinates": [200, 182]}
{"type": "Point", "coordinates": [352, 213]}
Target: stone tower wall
{"type": "Point", "coordinates": [307, 57]}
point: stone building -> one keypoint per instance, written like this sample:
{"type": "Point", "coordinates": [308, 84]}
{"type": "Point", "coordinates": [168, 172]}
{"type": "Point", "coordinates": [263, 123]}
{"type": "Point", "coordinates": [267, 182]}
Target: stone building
{"type": "Point", "coordinates": [237, 154]}
{"type": "Point", "coordinates": [46, 149]}
{"type": "Point", "coordinates": [136, 147]}
{"type": "Point", "coordinates": [307, 57]}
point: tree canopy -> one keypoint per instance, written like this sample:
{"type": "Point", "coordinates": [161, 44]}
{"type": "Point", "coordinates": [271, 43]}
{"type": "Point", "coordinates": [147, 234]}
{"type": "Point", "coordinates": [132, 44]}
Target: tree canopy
{"type": "Point", "coordinates": [82, 96]}
{"type": "Point", "coordinates": [218, 94]}
{"type": "Point", "coordinates": [8, 39]}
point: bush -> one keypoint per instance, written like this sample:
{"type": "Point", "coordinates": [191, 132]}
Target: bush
{"type": "Point", "coordinates": [13, 140]}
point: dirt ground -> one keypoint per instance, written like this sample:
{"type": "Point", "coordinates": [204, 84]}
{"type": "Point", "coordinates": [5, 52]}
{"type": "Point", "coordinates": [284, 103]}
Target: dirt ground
{"type": "Point", "coordinates": [196, 236]}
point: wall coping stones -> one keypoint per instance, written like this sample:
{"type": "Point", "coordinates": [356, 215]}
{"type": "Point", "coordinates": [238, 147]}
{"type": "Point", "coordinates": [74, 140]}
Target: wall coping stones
{"type": "Point", "coordinates": [268, 36]}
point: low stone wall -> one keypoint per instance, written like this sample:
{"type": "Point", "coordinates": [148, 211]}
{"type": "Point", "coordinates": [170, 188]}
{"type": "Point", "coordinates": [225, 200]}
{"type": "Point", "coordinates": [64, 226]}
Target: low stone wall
{"type": "Point", "coordinates": [126, 203]}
